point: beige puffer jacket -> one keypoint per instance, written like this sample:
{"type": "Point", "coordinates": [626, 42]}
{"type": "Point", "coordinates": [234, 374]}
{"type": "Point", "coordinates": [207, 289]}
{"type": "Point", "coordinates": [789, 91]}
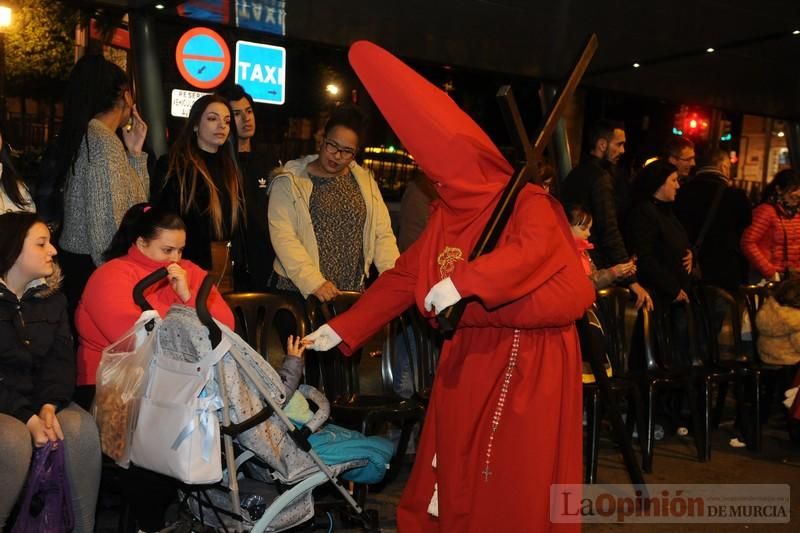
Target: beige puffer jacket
{"type": "Point", "coordinates": [779, 333]}
{"type": "Point", "coordinates": [292, 231]}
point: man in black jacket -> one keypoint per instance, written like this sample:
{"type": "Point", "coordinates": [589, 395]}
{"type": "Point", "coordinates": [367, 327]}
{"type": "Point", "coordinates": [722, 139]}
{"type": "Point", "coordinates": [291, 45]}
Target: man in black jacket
{"type": "Point", "coordinates": [591, 185]}
{"type": "Point", "coordinates": [255, 167]}
{"type": "Point", "coordinates": [720, 256]}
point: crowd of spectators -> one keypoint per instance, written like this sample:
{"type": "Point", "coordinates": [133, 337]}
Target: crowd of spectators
{"type": "Point", "coordinates": [314, 226]}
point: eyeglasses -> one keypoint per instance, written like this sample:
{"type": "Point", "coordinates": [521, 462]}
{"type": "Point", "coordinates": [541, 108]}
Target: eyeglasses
{"type": "Point", "coordinates": [333, 149]}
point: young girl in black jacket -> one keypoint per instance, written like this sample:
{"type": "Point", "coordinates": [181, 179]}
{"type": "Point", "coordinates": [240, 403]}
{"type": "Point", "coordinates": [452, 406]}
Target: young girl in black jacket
{"type": "Point", "coordinates": [37, 370]}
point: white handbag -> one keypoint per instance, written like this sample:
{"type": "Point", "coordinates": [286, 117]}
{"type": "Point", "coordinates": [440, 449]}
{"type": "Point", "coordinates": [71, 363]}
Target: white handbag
{"type": "Point", "coordinates": [177, 432]}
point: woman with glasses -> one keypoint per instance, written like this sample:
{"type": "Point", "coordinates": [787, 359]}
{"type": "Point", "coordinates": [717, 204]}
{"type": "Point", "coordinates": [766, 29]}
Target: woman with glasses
{"type": "Point", "coordinates": [327, 220]}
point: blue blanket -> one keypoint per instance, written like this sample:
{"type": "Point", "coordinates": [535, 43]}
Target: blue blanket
{"type": "Point", "coordinates": [336, 444]}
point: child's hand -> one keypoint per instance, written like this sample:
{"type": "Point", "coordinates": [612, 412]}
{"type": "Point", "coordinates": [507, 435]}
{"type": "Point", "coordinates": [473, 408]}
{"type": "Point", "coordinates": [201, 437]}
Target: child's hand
{"type": "Point", "coordinates": [624, 270]}
{"type": "Point", "coordinates": [295, 346]}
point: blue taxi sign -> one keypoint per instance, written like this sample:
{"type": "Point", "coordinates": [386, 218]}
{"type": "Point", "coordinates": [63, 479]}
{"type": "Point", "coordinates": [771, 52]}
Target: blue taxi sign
{"type": "Point", "coordinates": [261, 71]}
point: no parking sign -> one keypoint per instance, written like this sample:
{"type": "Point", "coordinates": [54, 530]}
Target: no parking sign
{"type": "Point", "coordinates": [203, 58]}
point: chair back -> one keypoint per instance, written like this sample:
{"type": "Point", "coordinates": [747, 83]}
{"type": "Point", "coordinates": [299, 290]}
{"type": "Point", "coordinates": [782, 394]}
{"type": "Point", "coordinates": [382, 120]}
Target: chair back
{"type": "Point", "coordinates": [339, 374]}
{"type": "Point", "coordinates": [646, 348]}
{"type": "Point", "coordinates": [671, 321]}
{"type": "Point", "coordinates": [612, 306]}
{"type": "Point", "coordinates": [717, 304]}
{"type": "Point", "coordinates": [255, 315]}
{"type": "Point", "coordinates": [428, 343]}
{"type": "Point", "coordinates": [753, 296]}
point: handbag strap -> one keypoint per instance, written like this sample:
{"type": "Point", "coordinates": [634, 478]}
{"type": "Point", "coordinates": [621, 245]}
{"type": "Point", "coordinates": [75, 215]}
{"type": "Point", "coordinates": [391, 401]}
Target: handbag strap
{"type": "Point", "coordinates": [698, 244]}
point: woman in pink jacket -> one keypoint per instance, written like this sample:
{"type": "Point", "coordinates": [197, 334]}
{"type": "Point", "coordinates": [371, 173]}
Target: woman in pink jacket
{"type": "Point", "coordinates": [772, 242]}
{"type": "Point", "coordinates": [148, 239]}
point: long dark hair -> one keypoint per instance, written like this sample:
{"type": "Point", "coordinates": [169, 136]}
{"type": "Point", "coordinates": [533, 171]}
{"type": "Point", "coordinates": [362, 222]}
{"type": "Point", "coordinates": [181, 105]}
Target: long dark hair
{"type": "Point", "coordinates": [144, 221]}
{"type": "Point", "coordinates": [14, 228]}
{"type": "Point", "coordinates": [784, 181]}
{"type": "Point", "coordinates": [95, 85]}
{"type": "Point", "coordinates": [187, 165]}
{"type": "Point", "coordinates": [10, 179]}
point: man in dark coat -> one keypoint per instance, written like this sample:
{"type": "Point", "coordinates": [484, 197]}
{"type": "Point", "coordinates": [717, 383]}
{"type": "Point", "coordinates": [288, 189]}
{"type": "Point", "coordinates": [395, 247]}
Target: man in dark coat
{"type": "Point", "coordinates": [591, 185]}
{"type": "Point", "coordinates": [255, 167]}
{"type": "Point", "coordinates": [720, 256]}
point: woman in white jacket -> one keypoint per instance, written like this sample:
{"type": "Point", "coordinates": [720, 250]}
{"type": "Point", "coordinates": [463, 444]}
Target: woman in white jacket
{"type": "Point", "coordinates": [327, 220]}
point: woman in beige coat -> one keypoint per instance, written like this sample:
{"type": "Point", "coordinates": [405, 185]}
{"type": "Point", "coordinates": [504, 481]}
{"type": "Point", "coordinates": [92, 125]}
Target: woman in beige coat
{"type": "Point", "coordinates": [778, 323]}
{"type": "Point", "coordinates": [327, 220]}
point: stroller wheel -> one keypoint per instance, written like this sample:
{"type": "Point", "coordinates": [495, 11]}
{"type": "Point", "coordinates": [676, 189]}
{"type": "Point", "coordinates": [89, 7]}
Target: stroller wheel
{"type": "Point", "coordinates": [371, 522]}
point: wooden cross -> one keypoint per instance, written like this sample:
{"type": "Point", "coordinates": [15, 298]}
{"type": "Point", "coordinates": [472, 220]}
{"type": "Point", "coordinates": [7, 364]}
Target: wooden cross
{"type": "Point", "coordinates": [527, 171]}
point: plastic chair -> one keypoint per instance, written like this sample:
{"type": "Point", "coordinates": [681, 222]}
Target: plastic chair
{"type": "Point", "coordinates": [611, 307]}
{"type": "Point", "coordinates": [650, 367]}
{"type": "Point", "coordinates": [428, 344]}
{"type": "Point", "coordinates": [746, 367]}
{"type": "Point", "coordinates": [752, 297]}
{"type": "Point", "coordinates": [341, 383]}
{"type": "Point", "coordinates": [258, 313]}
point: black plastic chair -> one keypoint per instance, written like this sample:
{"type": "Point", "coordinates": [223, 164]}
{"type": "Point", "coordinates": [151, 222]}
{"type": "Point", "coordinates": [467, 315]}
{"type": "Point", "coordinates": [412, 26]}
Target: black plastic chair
{"type": "Point", "coordinates": [341, 383]}
{"type": "Point", "coordinates": [651, 368]}
{"type": "Point", "coordinates": [611, 307]}
{"type": "Point", "coordinates": [258, 313]}
{"type": "Point", "coordinates": [752, 297]}
{"type": "Point", "coordinates": [748, 370]}
{"type": "Point", "coordinates": [428, 342]}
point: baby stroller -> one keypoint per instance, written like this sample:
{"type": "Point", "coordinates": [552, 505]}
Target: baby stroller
{"type": "Point", "coordinates": [200, 369]}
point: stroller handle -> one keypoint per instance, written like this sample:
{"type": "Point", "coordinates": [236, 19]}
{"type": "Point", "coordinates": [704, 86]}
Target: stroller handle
{"type": "Point", "coordinates": [138, 289]}
{"type": "Point", "coordinates": [214, 333]}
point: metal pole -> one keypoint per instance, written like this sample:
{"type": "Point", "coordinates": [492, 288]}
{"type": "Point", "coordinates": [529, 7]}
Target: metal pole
{"type": "Point", "coordinates": [147, 80]}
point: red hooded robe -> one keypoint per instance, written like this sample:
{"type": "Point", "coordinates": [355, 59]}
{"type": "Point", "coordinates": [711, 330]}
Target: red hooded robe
{"type": "Point", "coordinates": [532, 286]}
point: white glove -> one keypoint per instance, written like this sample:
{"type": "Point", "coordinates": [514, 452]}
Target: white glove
{"type": "Point", "coordinates": [323, 339]}
{"type": "Point", "coordinates": [441, 296]}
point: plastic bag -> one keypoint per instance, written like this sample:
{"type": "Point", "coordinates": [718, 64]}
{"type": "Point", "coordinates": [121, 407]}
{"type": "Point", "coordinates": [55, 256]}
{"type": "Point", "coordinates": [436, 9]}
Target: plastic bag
{"type": "Point", "coordinates": [121, 382]}
{"type": "Point", "coordinates": [47, 502]}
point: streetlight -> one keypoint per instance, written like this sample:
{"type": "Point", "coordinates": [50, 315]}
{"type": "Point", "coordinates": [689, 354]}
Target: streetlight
{"type": "Point", "coordinates": [5, 24]}
{"type": "Point", "coordinates": [332, 89]}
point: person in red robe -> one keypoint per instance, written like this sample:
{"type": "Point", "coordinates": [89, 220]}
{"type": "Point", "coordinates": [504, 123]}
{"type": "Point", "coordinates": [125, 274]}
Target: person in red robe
{"type": "Point", "coordinates": [504, 419]}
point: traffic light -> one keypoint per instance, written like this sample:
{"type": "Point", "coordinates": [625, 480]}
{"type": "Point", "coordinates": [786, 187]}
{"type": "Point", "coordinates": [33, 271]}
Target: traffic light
{"type": "Point", "coordinates": [725, 130]}
{"type": "Point", "coordinates": [691, 124]}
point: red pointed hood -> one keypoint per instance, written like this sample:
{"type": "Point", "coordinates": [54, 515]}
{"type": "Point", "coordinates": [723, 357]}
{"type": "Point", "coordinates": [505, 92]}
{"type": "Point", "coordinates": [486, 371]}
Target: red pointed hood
{"type": "Point", "coordinates": [468, 169]}
{"type": "Point", "coordinates": [447, 144]}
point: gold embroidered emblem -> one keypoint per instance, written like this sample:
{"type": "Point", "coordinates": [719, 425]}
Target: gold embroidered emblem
{"type": "Point", "coordinates": [447, 260]}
